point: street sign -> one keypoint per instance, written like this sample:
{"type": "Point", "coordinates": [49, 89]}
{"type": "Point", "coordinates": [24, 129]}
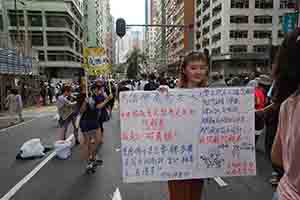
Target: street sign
{"type": "Point", "coordinates": [289, 22]}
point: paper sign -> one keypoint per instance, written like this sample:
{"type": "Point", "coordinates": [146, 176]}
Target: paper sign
{"type": "Point", "coordinates": [95, 61]}
{"type": "Point", "coordinates": [187, 134]}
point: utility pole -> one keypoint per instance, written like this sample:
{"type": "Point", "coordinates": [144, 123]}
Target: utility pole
{"type": "Point", "coordinates": [5, 25]}
{"type": "Point", "coordinates": [18, 24]}
{"type": "Point", "coordinates": [163, 31]}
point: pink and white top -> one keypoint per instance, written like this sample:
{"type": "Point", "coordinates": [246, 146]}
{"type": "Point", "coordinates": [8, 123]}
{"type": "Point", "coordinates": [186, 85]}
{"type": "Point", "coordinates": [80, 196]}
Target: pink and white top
{"type": "Point", "coordinates": [289, 133]}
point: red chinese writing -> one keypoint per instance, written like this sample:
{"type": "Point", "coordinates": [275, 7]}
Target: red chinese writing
{"type": "Point", "coordinates": [238, 168]}
{"type": "Point", "coordinates": [220, 139]}
{"type": "Point", "coordinates": [157, 136]}
{"type": "Point", "coordinates": [158, 112]}
{"type": "Point", "coordinates": [154, 124]}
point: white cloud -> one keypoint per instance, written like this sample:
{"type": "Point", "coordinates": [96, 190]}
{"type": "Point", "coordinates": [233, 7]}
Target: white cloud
{"type": "Point", "coordinates": [133, 11]}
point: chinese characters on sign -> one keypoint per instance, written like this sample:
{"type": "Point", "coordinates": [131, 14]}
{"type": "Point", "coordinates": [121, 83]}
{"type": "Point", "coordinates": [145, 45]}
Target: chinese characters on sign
{"type": "Point", "coordinates": [187, 134]}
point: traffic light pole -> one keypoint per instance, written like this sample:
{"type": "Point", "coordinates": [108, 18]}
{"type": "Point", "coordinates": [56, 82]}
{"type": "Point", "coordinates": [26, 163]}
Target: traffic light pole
{"type": "Point", "coordinates": [163, 31]}
{"type": "Point", "coordinates": [158, 25]}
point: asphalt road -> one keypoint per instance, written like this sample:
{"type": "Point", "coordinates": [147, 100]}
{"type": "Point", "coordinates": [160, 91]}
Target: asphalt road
{"type": "Point", "coordinates": [63, 180]}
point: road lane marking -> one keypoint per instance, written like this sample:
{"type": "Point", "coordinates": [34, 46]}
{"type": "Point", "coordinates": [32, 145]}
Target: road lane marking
{"type": "Point", "coordinates": [17, 125]}
{"type": "Point", "coordinates": [20, 184]}
{"type": "Point", "coordinates": [220, 182]}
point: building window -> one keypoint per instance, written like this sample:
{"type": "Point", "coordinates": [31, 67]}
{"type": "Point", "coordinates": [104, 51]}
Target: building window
{"type": "Point", "coordinates": [199, 12]}
{"type": "Point", "coordinates": [239, 3]}
{"type": "Point", "coordinates": [263, 19]}
{"type": "Point", "coordinates": [206, 30]}
{"type": "Point", "coordinates": [61, 56]}
{"type": "Point", "coordinates": [206, 18]}
{"type": "Point", "coordinates": [280, 19]}
{"type": "Point", "coordinates": [263, 4]}
{"type": "Point", "coordinates": [216, 38]}
{"type": "Point", "coordinates": [239, 34]}
{"type": "Point", "coordinates": [260, 48]}
{"type": "Point", "coordinates": [13, 18]}
{"type": "Point", "coordinates": [198, 34]}
{"type": "Point", "coordinates": [37, 38]}
{"type": "Point", "coordinates": [59, 19]}
{"type": "Point", "coordinates": [287, 4]}
{"type": "Point", "coordinates": [205, 43]}
{"type": "Point", "coordinates": [216, 10]}
{"type": "Point", "coordinates": [199, 23]}
{"type": "Point", "coordinates": [262, 34]}
{"type": "Point", "coordinates": [1, 23]}
{"type": "Point", "coordinates": [60, 39]}
{"type": "Point", "coordinates": [216, 51]}
{"type": "Point", "coordinates": [206, 5]}
{"type": "Point", "coordinates": [238, 48]}
{"type": "Point", "coordinates": [216, 23]}
{"type": "Point", "coordinates": [35, 20]}
{"type": "Point", "coordinates": [41, 55]}
{"type": "Point", "coordinates": [239, 19]}
{"type": "Point", "coordinates": [280, 34]}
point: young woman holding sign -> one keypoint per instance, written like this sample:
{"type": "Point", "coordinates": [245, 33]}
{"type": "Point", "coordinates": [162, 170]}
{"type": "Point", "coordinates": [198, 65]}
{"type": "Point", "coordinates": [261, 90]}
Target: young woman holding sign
{"type": "Point", "coordinates": [286, 149]}
{"type": "Point", "coordinates": [193, 74]}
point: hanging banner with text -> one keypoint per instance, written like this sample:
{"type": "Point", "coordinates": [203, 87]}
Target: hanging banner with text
{"type": "Point", "coordinates": [187, 134]}
{"type": "Point", "coordinates": [95, 61]}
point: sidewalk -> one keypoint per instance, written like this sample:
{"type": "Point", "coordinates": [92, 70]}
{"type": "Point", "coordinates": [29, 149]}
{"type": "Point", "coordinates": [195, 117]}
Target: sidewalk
{"type": "Point", "coordinates": [28, 113]}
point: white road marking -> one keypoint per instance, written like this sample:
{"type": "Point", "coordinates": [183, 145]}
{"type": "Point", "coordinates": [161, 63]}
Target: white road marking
{"type": "Point", "coordinates": [25, 122]}
{"type": "Point", "coordinates": [17, 125]}
{"type": "Point", "coordinates": [19, 185]}
{"type": "Point", "coordinates": [220, 182]}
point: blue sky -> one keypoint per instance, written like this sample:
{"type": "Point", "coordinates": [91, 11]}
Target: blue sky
{"type": "Point", "coordinates": [133, 11]}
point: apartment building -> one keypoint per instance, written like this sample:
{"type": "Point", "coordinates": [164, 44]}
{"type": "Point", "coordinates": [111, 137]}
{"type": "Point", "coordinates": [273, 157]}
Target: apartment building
{"type": "Point", "coordinates": [54, 29]}
{"type": "Point", "coordinates": [176, 41]}
{"type": "Point", "coordinates": [239, 33]}
{"type": "Point", "coordinates": [175, 36]}
{"type": "Point", "coordinates": [99, 25]}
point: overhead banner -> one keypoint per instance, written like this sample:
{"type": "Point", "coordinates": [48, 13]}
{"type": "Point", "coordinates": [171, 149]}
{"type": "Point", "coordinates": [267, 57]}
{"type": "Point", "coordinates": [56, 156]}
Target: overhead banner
{"type": "Point", "coordinates": [95, 61]}
{"type": "Point", "coordinates": [187, 134]}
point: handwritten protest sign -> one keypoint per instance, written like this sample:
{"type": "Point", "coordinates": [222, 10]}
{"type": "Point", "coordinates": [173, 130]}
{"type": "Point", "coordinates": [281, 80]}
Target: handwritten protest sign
{"type": "Point", "coordinates": [187, 134]}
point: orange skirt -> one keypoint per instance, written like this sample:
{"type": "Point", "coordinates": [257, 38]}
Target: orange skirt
{"type": "Point", "coordinates": [185, 189]}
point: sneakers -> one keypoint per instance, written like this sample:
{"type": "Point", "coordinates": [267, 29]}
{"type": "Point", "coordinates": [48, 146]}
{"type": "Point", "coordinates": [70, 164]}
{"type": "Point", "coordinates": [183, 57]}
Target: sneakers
{"type": "Point", "coordinates": [90, 167]}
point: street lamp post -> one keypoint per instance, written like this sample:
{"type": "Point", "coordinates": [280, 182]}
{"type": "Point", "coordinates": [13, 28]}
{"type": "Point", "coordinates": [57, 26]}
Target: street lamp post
{"type": "Point", "coordinates": [18, 23]}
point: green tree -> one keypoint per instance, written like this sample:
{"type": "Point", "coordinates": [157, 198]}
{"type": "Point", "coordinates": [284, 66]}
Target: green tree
{"type": "Point", "coordinates": [135, 61]}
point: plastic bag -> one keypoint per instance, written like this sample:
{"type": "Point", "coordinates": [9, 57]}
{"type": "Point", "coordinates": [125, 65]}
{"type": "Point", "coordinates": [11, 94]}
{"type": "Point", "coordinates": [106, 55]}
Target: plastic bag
{"type": "Point", "coordinates": [32, 148]}
{"type": "Point", "coordinates": [63, 149]}
{"type": "Point", "coordinates": [117, 195]}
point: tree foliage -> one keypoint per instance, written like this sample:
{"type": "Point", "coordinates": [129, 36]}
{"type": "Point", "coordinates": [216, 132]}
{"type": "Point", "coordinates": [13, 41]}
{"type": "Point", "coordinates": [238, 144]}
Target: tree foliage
{"type": "Point", "coordinates": [135, 61]}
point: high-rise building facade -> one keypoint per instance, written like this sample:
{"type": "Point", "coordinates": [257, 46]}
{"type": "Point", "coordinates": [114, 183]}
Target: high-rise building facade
{"type": "Point", "coordinates": [99, 26]}
{"type": "Point", "coordinates": [239, 33]}
{"type": "Point", "coordinates": [53, 29]}
{"type": "Point", "coordinates": [173, 42]}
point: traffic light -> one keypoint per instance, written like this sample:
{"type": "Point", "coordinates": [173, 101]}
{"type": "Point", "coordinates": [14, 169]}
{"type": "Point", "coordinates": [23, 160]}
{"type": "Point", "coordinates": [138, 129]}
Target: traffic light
{"type": "Point", "coordinates": [121, 27]}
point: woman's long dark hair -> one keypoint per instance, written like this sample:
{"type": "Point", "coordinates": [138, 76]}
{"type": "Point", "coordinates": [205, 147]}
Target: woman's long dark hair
{"type": "Point", "coordinates": [286, 71]}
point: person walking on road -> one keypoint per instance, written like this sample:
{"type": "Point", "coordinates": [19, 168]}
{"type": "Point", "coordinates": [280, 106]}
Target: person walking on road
{"type": "Point", "coordinates": [286, 148]}
{"type": "Point", "coordinates": [66, 114]}
{"type": "Point", "coordinates": [91, 128]}
{"type": "Point", "coordinates": [15, 105]}
{"type": "Point", "coordinates": [194, 74]}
